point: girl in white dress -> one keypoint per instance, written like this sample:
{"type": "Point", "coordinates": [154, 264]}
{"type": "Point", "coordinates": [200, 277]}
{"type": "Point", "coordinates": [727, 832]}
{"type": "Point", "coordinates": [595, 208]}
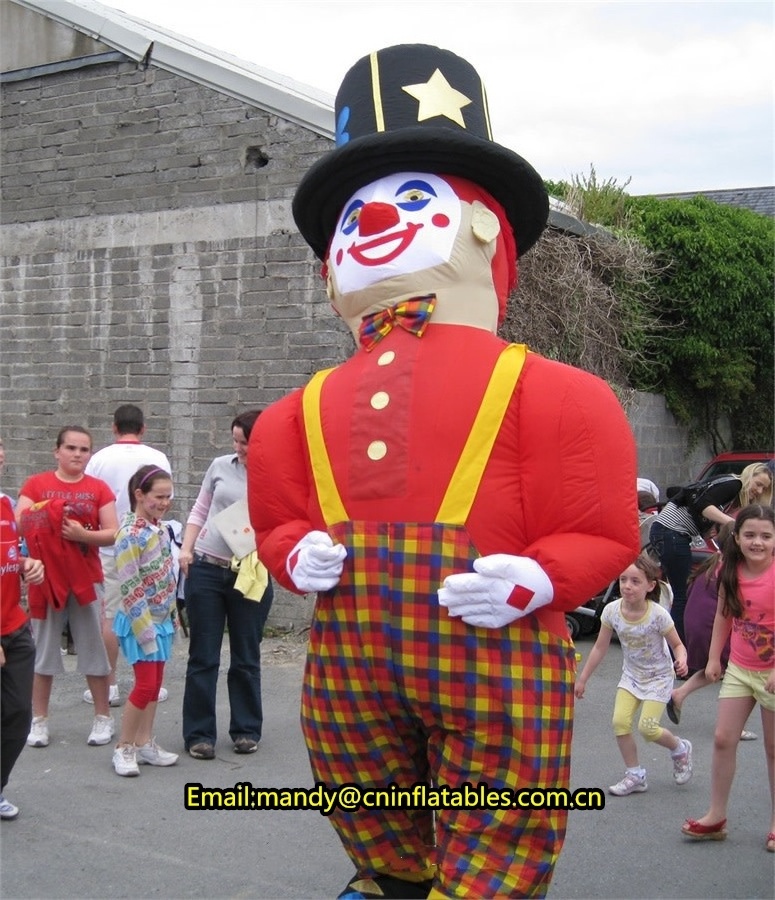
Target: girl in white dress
{"type": "Point", "coordinates": [644, 629]}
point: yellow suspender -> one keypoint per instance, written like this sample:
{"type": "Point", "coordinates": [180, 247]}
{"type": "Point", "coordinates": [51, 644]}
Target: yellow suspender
{"type": "Point", "coordinates": [468, 473]}
{"type": "Point", "coordinates": [465, 481]}
{"type": "Point", "coordinates": [328, 493]}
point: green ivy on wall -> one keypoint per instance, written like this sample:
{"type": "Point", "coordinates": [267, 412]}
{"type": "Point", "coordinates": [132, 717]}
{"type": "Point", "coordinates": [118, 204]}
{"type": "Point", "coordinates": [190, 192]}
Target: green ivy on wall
{"type": "Point", "coordinates": [712, 354]}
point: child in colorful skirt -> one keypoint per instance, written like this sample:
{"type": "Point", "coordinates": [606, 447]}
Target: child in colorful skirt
{"type": "Point", "coordinates": [144, 625]}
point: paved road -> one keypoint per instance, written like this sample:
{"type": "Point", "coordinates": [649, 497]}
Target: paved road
{"type": "Point", "coordinates": [85, 833]}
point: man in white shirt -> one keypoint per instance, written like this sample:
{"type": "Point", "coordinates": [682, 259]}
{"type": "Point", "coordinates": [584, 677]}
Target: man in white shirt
{"type": "Point", "coordinates": [115, 464]}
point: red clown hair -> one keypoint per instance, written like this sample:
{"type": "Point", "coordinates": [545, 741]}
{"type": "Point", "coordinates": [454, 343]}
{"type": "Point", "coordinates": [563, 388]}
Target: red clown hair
{"type": "Point", "coordinates": [504, 263]}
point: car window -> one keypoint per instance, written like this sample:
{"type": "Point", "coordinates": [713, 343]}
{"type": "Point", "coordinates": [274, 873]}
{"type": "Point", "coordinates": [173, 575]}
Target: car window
{"type": "Point", "coordinates": [727, 467]}
{"type": "Point", "coordinates": [733, 467]}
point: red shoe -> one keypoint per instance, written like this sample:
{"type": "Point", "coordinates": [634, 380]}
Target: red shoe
{"type": "Point", "coordinates": [697, 832]}
{"type": "Point", "coordinates": [771, 842]}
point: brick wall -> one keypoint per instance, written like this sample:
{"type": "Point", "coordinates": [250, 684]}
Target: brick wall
{"type": "Point", "coordinates": [116, 138]}
{"type": "Point", "coordinates": [150, 257]}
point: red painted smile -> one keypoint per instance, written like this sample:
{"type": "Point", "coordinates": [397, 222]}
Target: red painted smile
{"type": "Point", "coordinates": [394, 243]}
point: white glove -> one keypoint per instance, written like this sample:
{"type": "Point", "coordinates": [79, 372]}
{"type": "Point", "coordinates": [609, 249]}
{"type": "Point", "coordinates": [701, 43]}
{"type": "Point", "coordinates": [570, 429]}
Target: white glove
{"type": "Point", "coordinates": [484, 597]}
{"type": "Point", "coordinates": [315, 563]}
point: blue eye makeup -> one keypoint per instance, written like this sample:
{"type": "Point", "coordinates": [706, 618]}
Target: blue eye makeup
{"type": "Point", "coordinates": [350, 217]}
{"type": "Point", "coordinates": [414, 195]}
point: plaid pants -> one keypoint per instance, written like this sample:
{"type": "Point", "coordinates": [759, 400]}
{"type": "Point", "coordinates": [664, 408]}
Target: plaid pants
{"type": "Point", "coordinates": [398, 692]}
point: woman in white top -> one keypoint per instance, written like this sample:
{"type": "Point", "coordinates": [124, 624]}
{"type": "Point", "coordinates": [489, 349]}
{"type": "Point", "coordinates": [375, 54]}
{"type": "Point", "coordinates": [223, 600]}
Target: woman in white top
{"type": "Point", "coordinates": [212, 603]}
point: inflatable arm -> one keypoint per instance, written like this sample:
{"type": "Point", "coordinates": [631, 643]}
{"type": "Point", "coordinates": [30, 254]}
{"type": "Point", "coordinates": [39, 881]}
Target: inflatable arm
{"type": "Point", "coordinates": [582, 527]}
{"type": "Point", "coordinates": [278, 487]}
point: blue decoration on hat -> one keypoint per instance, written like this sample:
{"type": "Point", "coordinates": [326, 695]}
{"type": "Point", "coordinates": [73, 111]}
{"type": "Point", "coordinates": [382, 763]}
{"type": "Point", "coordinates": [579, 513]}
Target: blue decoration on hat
{"type": "Point", "coordinates": [342, 136]}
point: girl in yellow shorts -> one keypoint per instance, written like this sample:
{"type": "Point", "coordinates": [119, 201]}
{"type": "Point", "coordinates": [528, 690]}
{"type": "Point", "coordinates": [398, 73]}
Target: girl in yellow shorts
{"type": "Point", "coordinates": [747, 611]}
{"type": "Point", "coordinates": [644, 629]}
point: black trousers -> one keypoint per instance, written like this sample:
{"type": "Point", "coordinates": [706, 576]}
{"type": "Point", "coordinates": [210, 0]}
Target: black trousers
{"type": "Point", "coordinates": [15, 698]}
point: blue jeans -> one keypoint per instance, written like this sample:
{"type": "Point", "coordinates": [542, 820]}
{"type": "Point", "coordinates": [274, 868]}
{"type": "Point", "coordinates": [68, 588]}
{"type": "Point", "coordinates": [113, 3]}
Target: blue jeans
{"type": "Point", "coordinates": [675, 556]}
{"type": "Point", "coordinates": [211, 604]}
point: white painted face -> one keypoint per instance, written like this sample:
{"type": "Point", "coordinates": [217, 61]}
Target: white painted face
{"type": "Point", "coordinates": [396, 225]}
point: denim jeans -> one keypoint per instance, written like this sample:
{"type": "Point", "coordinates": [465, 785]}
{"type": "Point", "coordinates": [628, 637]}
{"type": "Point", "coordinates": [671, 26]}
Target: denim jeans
{"type": "Point", "coordinates": [211, 604]}
{"type": "Point", "coordinates": [675, 556]}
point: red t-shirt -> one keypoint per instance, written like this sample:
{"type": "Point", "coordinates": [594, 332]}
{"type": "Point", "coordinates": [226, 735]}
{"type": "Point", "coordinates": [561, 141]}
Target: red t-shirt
{"type": "Point", "coordinates": [71, 567]}
{"type": "Point", "coordinates": [85, 497]}
{"type": "Point", "coordinates": [12, 616]}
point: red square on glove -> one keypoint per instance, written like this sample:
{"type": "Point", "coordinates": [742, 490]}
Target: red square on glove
{"type": "Point", "coordinates": [520, 597]}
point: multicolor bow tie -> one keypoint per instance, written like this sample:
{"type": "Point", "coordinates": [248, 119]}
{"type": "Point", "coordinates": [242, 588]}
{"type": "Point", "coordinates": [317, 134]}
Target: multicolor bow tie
{"type": "Point", "coordinates": [412, 315]}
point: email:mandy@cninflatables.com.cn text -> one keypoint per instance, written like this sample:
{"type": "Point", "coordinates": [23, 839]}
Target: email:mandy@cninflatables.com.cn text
{"type": "Point", "coordinates": [350, 797]}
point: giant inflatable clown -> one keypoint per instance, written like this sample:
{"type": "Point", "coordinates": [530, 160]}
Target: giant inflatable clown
{"type": "Point", "coordinates": [447, 495]}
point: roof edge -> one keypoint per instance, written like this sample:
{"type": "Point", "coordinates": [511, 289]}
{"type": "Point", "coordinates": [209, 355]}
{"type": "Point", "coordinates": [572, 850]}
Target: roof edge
{"type": "Point", "coordinates": [142, 41]}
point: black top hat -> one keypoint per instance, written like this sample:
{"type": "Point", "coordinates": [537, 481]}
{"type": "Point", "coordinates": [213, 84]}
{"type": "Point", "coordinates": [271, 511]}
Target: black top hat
{"type": "Point", "coordinates": [415, 107]}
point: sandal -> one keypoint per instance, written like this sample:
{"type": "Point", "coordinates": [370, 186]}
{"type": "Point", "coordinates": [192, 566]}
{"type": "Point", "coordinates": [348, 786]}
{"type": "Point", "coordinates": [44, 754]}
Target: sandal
{"type": "Point", "coordinates": [771, 842]}
{"type": "Point", "coordinates": [698, 832]}
{"type": "Point", "coordinates": [673, 712]}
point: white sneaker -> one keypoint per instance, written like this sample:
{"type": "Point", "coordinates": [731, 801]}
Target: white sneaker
{"type": "Point", "coordinates": [163, 694]}
{"type": "Point", "coordinates": [7, 809]}
{"type": "Point", "coordinates": [152, 754]}
{"type": "Point", "coordinates": [114, 698]}
{"type": "Point", "coordinates": [630, 784]}
{"type": "Point", "coordinates": [38, 736]}
{"type": "Point", "coordinates": [102, 731]}
{"type": "Point", "coordinates": [125, 761]}
{"type": "Point", "coordinates": [682, 764]}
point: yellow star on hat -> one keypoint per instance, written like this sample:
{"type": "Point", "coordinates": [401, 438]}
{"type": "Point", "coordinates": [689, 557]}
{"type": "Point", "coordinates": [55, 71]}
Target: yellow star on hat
{"type": "Point", "coordinates": [438, 98]}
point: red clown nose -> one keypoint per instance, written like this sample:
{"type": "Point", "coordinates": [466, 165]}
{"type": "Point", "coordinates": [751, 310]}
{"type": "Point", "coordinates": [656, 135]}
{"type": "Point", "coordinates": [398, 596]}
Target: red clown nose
{"type": "Point", "coordinates": [377, 217]}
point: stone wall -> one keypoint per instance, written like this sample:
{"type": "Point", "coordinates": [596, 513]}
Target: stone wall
{"type": "Point", "coordinates": [118, 137]}
{"type": "Point", "coordinates": [663, 454]}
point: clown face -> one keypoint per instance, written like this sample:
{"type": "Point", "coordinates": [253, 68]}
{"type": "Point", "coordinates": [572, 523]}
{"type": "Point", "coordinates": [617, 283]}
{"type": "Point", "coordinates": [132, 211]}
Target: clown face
{"type": "Point", "coordinates": [396, 225]}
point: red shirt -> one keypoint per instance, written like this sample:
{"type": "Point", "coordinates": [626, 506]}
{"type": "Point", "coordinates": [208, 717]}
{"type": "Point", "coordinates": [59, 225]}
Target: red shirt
{"type": "Point", "coordinates": [71, 567]}
{"type": "Point", "coordinates": [12, 616]}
